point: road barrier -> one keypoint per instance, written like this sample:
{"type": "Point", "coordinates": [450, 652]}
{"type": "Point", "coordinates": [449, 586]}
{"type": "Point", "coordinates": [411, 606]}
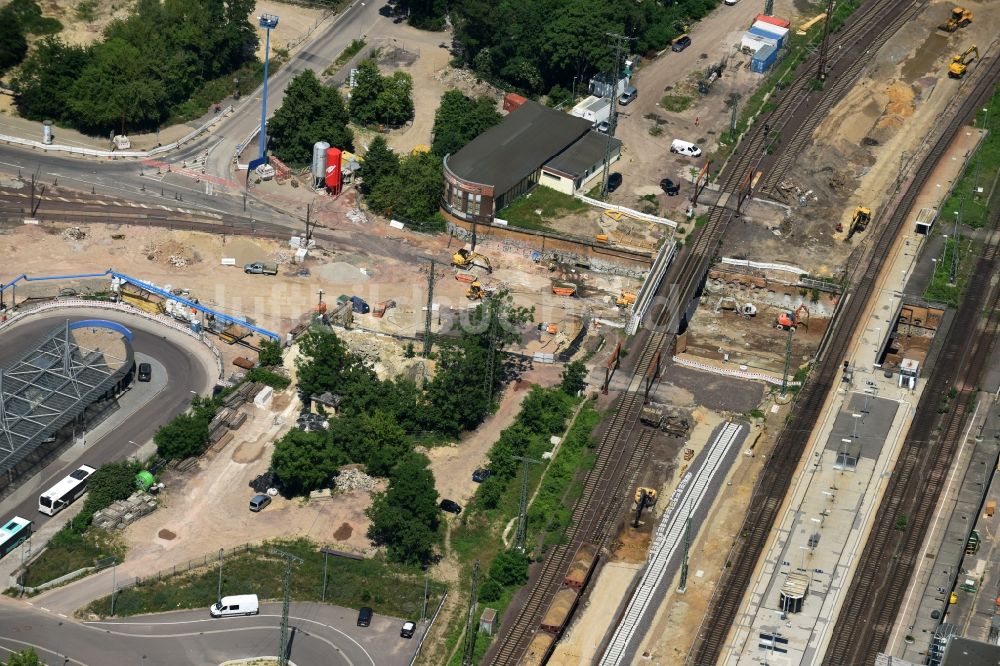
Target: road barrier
{"type": "Point", "coordinates": [624, 210]}
{"type": "Point", "coordinates": [731, 372]}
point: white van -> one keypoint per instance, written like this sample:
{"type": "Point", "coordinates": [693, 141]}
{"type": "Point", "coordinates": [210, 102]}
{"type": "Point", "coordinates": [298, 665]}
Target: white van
{"type": "Point", "coordinates": [685, 148]}
{"type": "Point", "coordinates": [241, 604]}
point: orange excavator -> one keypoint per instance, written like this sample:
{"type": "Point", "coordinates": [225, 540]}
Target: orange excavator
{"type": "Point", "coordinates": [790, 320]}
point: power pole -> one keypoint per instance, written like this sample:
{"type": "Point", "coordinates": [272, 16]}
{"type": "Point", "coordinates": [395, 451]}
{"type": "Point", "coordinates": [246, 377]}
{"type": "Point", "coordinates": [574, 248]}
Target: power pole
{"type": "Point", "coordinates": [733, 102]}
{"type": "Point", "coordinates": [788, 360]}
{"type": "Point", "coordinates": [430, 305]}
{"type": "Point", "coordinates": [289, 561]}
{"type": "Point", "coordinates": [492, 335]}
{"type": "Point", "coordinates": [522, 513]}
{"type": "Point", "coordinates": [682, 588]}
{"type": "Point", "coordinates": [821, 72]}
{"type": "Point", "coordinates": [620, 41]}
{"type": "Point", "coordinates": [470, 620]}
{"type": "Point", "coordinates": [308, 229]}
{"type": "Point", "coordinates": [769, 7]}
{"type": "Point", "coordinates": [953, 276]}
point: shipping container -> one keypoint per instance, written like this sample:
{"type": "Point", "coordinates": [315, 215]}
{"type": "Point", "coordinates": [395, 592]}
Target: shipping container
{"type": "Point", "coordinates": [774, 20]}
{"type": "Point", "coordinates": [763, 59]}
{"type": "Point", "coordinates": [512, 101]}
{"type": "Point", "coordinates": [752, 43]}
{"type": "Point", "coordinates": [770, 31]}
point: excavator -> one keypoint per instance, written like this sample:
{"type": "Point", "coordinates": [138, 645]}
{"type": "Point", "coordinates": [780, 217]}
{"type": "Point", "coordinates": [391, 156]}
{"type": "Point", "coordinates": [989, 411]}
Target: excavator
{"type": "Point", "coordinates": [468, 258]}
{"type": "Point", "coordinates": [789, 320]}
{"type": "Point", "coordinates": [643, 497]}
{"type": "Point", "coordinates": [477, 291]}
{"type": "Point", "coordinates": [960, 17]}
{"type": "Point", "coordinates": [626, 299]}
{"type": "Point", "coordinates": [862, 216]}
{"type": "Point", "coordinates": [960, 63]}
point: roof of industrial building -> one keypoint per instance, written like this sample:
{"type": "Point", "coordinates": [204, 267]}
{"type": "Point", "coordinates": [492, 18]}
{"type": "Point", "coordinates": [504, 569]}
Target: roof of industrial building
{"type": "Point", "coordinates": [505, 154]}
{"type": "Point", "coordinates": [967, 652]}
{"type": "Point", "coordinates": [583, 154]}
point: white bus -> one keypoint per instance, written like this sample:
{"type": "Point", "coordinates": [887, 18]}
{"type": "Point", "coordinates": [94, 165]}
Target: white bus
{"type": "Point", "coordinates": [61, 495]}
{"type": "Point", "coordinates": [13, 533]}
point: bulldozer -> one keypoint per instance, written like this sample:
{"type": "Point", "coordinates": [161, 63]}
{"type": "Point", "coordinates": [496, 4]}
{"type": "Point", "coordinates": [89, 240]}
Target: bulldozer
{"type": "Point", "coordinates": [468, 258]}
{"type": "Point", "coordinates": [789, 320]}
{"type": "Point", "coordinates": [477, 291]}
{"type": "Point", "coordinates": [626, 299]}
{"type": "Point", "coordinates": [960, 63]}
{"type": "Point", "coordinates": [862, 216]}
{"type": "Point", "coordinates": [960, 17]}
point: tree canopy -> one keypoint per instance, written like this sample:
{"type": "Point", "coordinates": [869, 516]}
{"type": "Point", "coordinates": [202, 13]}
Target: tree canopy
{"type": "Point", "coordinates": [378, 99]}
{"type": "Point", "coordinates": [17, 20]}
{"type": "Point", "coordinates": [461, 119]}
{"type": "Point", "coordinates": [405, 517]}
{"type": "Point", "coordinates": [187, 434]}
{"type": "Point", "coordinates": [26, 657]}
{"type": "Point", "coordinates": [310, 112]}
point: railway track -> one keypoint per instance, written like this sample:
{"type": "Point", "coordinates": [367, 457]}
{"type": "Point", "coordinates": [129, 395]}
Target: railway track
{"type": "Point", "coordinates": [776, 476]}
{"type": "Point", "coordinates": [890, 556]}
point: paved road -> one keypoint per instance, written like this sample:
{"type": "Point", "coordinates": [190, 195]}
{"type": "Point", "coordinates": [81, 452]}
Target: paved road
{"type": "Point", "coordinates": [184, 370]}
{"type": "Point", "coordinates": [123, 179]}
{"type": "Point", "coordinates": [322, 636]}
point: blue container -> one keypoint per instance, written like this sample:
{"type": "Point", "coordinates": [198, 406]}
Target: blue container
{"type": "Point", "coordinates": [763, 59]}
{"type": "Point", "coordinates": [196, 326]}
{"type": "Point", "coordinates": [767, 34]}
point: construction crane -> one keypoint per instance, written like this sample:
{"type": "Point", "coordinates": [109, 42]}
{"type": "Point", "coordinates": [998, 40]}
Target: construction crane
{"type": "Point", "coordinates": [960, 63]}
{"type": "Point", "coordinates": [960, 17]}
{"type": "Point", "coordinates": [862, 216]}
{"type": "Point", "coordinates": [790, 320]}
{"type": "Point", "coordinates": [626, 299]}
{"type": "Point", "coordinates": [643, 497]}
{"type": "Point", "coordinates": [467, 259]}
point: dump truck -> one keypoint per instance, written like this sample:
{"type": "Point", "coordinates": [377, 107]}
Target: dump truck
{"type": "Point", "coordinates": [260, 268]}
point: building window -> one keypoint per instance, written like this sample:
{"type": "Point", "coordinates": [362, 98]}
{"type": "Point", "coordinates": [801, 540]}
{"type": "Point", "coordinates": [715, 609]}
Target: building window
{"type": "Point", "coordinates": [475, 204]}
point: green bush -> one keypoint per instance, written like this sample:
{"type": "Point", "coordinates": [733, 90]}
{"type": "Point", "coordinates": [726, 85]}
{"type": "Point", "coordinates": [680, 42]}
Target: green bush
{"type": "Point", "coordinates": [269, 378]}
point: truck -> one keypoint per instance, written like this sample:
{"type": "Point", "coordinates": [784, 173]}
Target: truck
{"type": "Point", "coordinates": [359, 305]}
{"type": "Point", "coordinates": [593, 108]}
{"type": "Point", "coordinates": [260, 268]}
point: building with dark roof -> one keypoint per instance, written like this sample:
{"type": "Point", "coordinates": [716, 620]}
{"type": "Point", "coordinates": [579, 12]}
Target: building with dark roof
{"type": "Point", "coordinates": [967, 652]}
{"type": "Point", "coordinates": [534, 144]}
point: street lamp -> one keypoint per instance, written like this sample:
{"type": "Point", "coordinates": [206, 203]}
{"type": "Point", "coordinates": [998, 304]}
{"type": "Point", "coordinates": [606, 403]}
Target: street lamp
{"type": "Point", "coordinates": [269, 22]}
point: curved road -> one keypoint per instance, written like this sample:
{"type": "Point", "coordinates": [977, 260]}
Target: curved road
{"type": "Point", "coordinates": [192, 637]}
{"type": "Point", "coordinates": [185, 373]}
{"type": "Point", "coordinates": [122, 178]}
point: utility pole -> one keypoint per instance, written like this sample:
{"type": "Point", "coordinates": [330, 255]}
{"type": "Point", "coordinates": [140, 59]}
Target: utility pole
{"type": "Point", "coordinates": [219, 595]}
{"type": "Point", "coordinates": [682, 588]}
{"type": "Point", "coordinates": [769, 7]}
{"type": "Point", "coordinates": [733, 102]}
{"type": "Point", "coordinates": [788, 360]}
{"type": "Point", "coordinates": [522, 513]}
{"type": "Point", "coordinates": [492, 335]}
{"type": "Point", "coordinates": [430, 305]}
{"type": "Point", "coordinates": [308, 218]}
{"type": "Point", "coordinates": [620, 41]}
{"type": "Point", "coordinates": [821, 72]}
{"type": "Point", "coordinates": [289, 561]}
{"type": "Point", "coordinates": [470, 620]}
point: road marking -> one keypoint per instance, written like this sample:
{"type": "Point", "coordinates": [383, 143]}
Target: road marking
{"type": "Point", "coordinates": [45, 609]}
{"type": "Point", "coordinates": [38, 648]}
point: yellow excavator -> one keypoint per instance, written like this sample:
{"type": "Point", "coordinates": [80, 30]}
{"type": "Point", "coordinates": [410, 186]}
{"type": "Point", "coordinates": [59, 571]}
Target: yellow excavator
{"type": "Point", "coordinates": [467, 259]}
{"type": "Point", "coordinates": [862, 216]}
{"type": "Point", "coordinates": [960, 17]}
{"type": "Point", "coordinates": [477, 291]}
{"type": "Point", "coordinates": [960, 63]}
{"type": "Point", "coordinates": [626, 299]}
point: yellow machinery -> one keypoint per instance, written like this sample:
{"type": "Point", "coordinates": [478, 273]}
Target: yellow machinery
{"type": "Point", "coordinates": [643, 497]}
{"type": "Point", "coordinates": [626, 299]}
{"type": "Point", "coordinates": [477, 291]}
{"type": "Point", "coordinates": [960, 63]}
{"type": "Point", "coordinates": [960, 17]}
{"type": "Point", "coordinates": [862, 216]}
{"type": "Point", "coordinates": [467, 259]}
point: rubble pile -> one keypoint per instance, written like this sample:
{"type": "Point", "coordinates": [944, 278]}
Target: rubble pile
{"type": "Point", "coordinates": [123, 513]}
{"type": "Point", "coordinates": [74, 233]}
{"type": "Point", "coordinates": [353, 478]}
{"type": "Point", "coordinates": [356, 216]}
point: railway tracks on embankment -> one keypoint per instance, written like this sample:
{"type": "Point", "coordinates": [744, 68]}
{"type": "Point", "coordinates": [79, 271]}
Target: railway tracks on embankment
{"type": "Point", "coordinates": [798, 110]}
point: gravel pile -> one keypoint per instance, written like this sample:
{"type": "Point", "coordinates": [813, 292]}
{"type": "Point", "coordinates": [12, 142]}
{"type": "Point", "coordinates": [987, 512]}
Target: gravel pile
{"type": "Point", "coordinates": [353, 478]}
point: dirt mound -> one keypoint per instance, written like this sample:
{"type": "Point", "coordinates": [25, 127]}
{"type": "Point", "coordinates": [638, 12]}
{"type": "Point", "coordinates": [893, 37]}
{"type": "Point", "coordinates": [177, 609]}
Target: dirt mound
{"type": "Point", "coordinates": [343, 532]}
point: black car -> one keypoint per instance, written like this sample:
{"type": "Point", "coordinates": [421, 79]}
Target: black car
{"type": "Point", "coordinates": [450, 506]}
{"type": "Point", "coordinates": [385, 10]}
{"type": "Point", "coordinates": [365, 616]}
{"type": "Point", "coordinates": [680, 44]}
{"type": "Point", "coordinates": [481, 475]}
{"type": "Point", "coordinates": [145, 372]}
{"type": "Point", "coordinates": [669, 187]}
{"type": "Point", "coordinates": [614, 181]}
{"type": "Point", "coordinates": [408, 629]}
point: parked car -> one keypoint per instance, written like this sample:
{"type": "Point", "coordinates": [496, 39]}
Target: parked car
{"type": "Point", "coordinates": [240, 604]}
{"type": "Point", "coordinates": [450, 506]}
{"type": "Point", "coordinates": [259, 502]}
{"type": "Point", "coordinates": [365, 616]}
{"type": "Point", "coordinates": [628, 96]}
{"type": "Point", "coordinates": [385, 10]}
{"type": "Point", "coordinates": [408, 629]}
{"type": "Point", "coordinates": [481, 474]}
{"type": "Point", "coordinates": [145, 372]}
{"type": "Point", "coordinates": [603, 127]}
{"type": "Point", "coordinates": [669, 187]}
{"type": "Point", "coordinates": [614, 181]}
{"type": "Point", "coordinates": [684, 148]}
{"type": "Point", "coordinates": [260, 268]}
{"type": "Point", "coordinates": [680, 44]}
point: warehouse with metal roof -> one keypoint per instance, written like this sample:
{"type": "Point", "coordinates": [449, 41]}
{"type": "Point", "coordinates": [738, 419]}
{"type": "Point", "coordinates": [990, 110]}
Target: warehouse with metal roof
{"type": "Point", "coordinates": [510, 159]}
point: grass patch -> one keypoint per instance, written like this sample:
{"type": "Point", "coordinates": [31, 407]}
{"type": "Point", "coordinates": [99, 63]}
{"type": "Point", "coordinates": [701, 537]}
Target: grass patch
{"type": "Point", "coordinates": [86, 10]}
{"type": "Point", "coordinates": [676, 103]}
{"type": "Point", "coordinates": [388, 588]}
{"type": "Point", "coordinates": [248, 77]}
{"type": "Point", "coordinates": [981, 172]}
{"type": "Point", "coordinates": [353, 49]}
{"type": "Point", "coordinates": [522, 212]}
{"type": "Point", "coordinates": [940, 290]}
{"type": "Point", "coordinates": [69, 551]}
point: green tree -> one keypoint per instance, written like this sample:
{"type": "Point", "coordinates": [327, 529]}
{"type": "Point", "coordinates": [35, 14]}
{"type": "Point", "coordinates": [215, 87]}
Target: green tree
{"type": "Point", "coordinates": [13, 44]}
{"type": "Point", "coordinates": [380, 162]}
{"type": "Point", "coordinates": [460, 119]}
{"type": "Point", "coordinates": [305, 461]}
{"type": "Point", "coordinates": [414, 193]}
{"type": "Point", "coordinates": [405, 517]}
{"type": "Point", "coordinates": [545, 412]}
{"type": "Point", "coordinates": [510, 568]}
{"type": "Point", "coordinates": [574, 377]}
{"type": "Point", "coordinates": [310, 112]}
{"type": "Point", "coordinates": [426, 14]}
{"type": "Point", "coordinates": [394, 104]}
{"type": "Point", "coordinates": [269, 354]}
{"type": "Point", "coordinates": [26, 657]}
{"type": "Point", "coordinates": [185, 436]}
{"type": "Point", "coordinates": [109, 483]}
{"type": "Point", "coordinates": [368, 85]}
{"type": "Point", "coordinates": [42, 86]}
{"type": "Point", "coordinates": [323, 360]}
